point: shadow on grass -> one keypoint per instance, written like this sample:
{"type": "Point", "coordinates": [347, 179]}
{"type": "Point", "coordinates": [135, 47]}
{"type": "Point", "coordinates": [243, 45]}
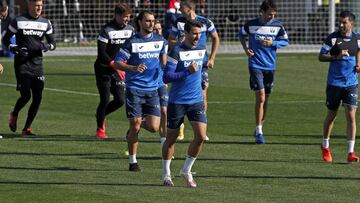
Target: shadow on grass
{"type": "Point", "coordinates": [54, 154]}
{"type": "Point", "coordinates": [285, 177]}
{"type": "Point", "coordinates": [315, 136]}
{"type": "Point", "coordinates": [78, 183]}
{"type": "Point", "coordinates": [59, 169]}
{"type": "Point", "coordinates": [70, 74]}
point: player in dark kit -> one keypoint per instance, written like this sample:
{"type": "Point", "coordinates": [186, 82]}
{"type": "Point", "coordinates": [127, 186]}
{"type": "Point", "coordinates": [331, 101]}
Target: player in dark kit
{"type": "Point", "coordinates": [109, 80]}
{"type": "Point", "coordinates": [30, 30]}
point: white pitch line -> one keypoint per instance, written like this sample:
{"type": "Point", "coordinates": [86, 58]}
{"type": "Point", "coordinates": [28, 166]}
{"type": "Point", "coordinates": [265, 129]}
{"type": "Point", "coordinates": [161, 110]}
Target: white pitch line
{"type": "Point", "coordinates": [57, 90]}
{"type": "Point", "coordinates": [209, 102]}
{"type": "Point", "coordinates": [275, 102]}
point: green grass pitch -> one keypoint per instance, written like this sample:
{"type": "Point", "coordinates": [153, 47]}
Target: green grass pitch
{"type": "Point", "coordinates": [65, 163]}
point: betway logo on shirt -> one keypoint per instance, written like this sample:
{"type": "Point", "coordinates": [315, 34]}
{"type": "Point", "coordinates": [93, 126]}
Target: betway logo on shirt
{"type": "Point", "coordinates": [33, 32]}
{"type": "Point", "coordinates": [32, 28]}
{"type": "Point", "coordinates": [149, 55]}
{"type": "Point", "coordinates": [198, 62]}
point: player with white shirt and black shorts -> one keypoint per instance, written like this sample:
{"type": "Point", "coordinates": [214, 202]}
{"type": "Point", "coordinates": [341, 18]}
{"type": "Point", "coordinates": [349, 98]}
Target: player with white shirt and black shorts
{"type": "Point", "coordinates": [109, 80]}
{"type": "Point", "coordinates": [34, 35]}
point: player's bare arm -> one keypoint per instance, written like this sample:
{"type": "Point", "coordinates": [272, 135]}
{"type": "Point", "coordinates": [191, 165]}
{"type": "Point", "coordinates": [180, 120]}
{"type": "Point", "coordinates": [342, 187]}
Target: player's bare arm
{"type": "Point", "coordinates": [214, 49]}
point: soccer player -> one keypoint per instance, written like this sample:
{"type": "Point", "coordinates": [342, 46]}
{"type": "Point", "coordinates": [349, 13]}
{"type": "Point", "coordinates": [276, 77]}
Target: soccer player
{"type": "Point", "coordinates": [163, 94]}
{"type": "Point", "coordinates": [145, 53]}
{"type": "Point", "coordinates": [5, 20]}
{"type": "Point", "coordinates": [31, 30]}
{"type": "Point", "coordinates": [342, 50]}
{"type": "Point", "coordinates": [109, 80]}
{"type": "Point", "coordinates": [188, 8]}
{"type": "Point", "coordinates": [183, 70]}
{"type": "Point", "coordinates": [171, 14]}
{"type": "Point", "coordinates": [266, 35]}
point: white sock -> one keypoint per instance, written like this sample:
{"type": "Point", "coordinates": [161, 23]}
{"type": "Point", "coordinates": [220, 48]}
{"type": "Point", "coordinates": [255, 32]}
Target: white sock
{"type": "Point", "coordinates": [132, 159]}
{"type": "Point", "coordinates": [189, 162]}
{"type": "Point", "coordinates": [162, 140]}
{"type": "Point", "coordinates": [258, 129]}
{"type": "Point", "coordinates": [166, 167]}
{"type": "Point", "coordinates": [351, 145]}
{"type": "Point", "coordinates": [326, 143]}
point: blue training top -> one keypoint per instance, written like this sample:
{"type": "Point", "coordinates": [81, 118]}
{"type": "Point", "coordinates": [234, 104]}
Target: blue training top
{"type": "Point", "coordinates": [185, 87]}
{"type": "Point", "coordinates": [342, 72]}
{"type": "Point", "coordinates": [264, 57]}
{"type": "Point", "coordinates": [208, 27]}
{"type": "Point", "coordinates": [139, 50]}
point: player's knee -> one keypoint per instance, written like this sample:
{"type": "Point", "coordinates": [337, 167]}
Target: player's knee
{"type": "Point", "coordinates": [37, 99]}
{"type": "Point", "coordinates": [153, 128]}
{"type": "Point", "coordinates": [119, 102]}
{"type": "Point", "coordinates": [25, 97]}
{"type": "Point", "coordinates": [199, 140]}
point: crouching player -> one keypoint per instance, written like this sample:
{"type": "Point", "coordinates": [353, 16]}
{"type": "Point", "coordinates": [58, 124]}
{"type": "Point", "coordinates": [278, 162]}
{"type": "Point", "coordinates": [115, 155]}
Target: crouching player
{"type": "Point", "coordinates": [183, 70]}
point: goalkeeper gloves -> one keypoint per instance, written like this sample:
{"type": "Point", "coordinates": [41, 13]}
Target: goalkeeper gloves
{"type": "Point", "coordinates": [23, 51]}
{"type": "Point", "coordinates": [46, 47]}
{"type": "Point", "coordinates": [119, 72]}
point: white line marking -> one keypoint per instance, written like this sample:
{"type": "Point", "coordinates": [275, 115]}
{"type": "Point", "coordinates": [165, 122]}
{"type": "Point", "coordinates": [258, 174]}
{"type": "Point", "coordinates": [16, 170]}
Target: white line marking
{"type": "Point", "coordinates": [57, 90]}
{"type": "Point", "coordinates": [210, 102]}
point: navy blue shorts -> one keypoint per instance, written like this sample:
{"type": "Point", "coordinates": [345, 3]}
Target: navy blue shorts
{"type": "Point", "coordinates": [140, 102]}
{"type": "Point", "coordinates": [335, 95]}
{"type": "Point", "coordinates": [261, 79]}
{"type": "Point", "coordinates": [176, 114]}
{"type": "Point", "coordinates": [163, 95]}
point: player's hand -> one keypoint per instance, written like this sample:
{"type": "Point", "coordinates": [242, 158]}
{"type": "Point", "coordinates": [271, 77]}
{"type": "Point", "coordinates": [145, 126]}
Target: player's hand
{"type": "Point", "coordinates": [140, 68]}
{"type": "Point", "coordinates": [1, 69]}
{"type": "Point", "coordinates": [357, 68]}
{"type": "Point", "coordinates": [193, 67]}
{"type": "Point", "coordinates": [249, 52]}
{"type": "Point", "coordinates": [46, 47]}
{"type": "Point", "coordinates": [210, 63]}
{"type": "Point", "coordinates": [267, 42]}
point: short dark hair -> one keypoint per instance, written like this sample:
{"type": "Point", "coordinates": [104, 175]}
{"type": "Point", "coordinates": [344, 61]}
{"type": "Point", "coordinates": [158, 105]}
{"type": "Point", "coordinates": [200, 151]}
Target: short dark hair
{"type": "Point", "coordinates": [190, 24]}
{"type": "Point", "coordinates": [140, 17]}
{"type": "Point", "coordinates": [189, 3]}
{"type": "Point", "coordinates": [157, 22]}
{"type": "Point", "coordinates": [268, 5]}
{"type": "Point", "coordinates": [122, 8]}
{"type": "Point", "coordinates": [348, 14]}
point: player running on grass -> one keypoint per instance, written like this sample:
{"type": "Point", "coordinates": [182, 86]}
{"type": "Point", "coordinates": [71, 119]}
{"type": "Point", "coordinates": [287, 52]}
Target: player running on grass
{"type": "Point", "coordinates": [188, 10]}
{"type": "Point", "coordinates": [342, 50]}
{"type": "Point", "coordinates": [109, 80]}
{"type": "Point", "coordinates": [183, 70]}
{"type": "Point", "coordinates": [266, 35]}
{"type": "Point", "coordinates": [144, 54]}
{"type": "Point", "coordinates": [34, 35]}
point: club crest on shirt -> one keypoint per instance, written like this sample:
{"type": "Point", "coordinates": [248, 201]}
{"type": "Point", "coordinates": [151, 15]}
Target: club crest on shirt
{"type": "Point", "coordinates": [156, 45]}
